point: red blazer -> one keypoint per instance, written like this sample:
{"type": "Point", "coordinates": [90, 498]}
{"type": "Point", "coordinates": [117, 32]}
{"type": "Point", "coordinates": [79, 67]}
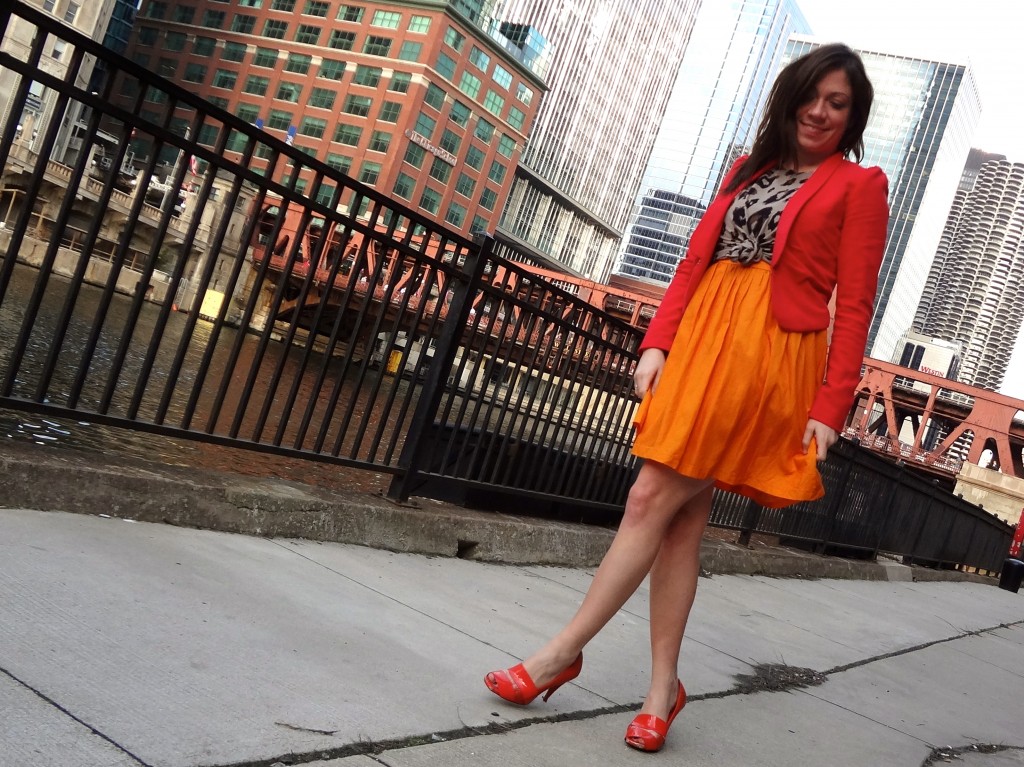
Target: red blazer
{"type": "Point", "coordinates": [831, 238]}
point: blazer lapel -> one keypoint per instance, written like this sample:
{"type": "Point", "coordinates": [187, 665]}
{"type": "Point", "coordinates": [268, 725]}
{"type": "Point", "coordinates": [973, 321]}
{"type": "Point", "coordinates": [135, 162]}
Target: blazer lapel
{"type": "Point", "coordinates": [810, 187]}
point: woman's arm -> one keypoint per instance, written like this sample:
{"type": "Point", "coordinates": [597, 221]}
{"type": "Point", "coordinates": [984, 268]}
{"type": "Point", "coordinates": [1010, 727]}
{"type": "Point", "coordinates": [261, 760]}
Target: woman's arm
{"type": "Point", "coordinates": [861, 248]}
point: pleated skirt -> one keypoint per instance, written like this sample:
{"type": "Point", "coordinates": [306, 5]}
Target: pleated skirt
{"type": "Point", "coordinates": [733, 399]}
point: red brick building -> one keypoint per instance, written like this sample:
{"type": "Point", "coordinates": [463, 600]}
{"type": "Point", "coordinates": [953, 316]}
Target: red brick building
{"type": "Point", "coordinates": [412, 99]}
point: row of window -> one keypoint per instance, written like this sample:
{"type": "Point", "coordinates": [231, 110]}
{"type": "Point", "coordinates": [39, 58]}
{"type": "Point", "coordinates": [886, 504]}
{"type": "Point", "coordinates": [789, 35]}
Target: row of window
{"type": "Point", "coordinates": [185, 14]}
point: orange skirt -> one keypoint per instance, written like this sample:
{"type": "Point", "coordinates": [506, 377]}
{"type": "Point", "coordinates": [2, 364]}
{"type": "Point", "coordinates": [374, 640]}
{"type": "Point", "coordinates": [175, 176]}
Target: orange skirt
{"type": "Point", "coordinates": [734, 396]}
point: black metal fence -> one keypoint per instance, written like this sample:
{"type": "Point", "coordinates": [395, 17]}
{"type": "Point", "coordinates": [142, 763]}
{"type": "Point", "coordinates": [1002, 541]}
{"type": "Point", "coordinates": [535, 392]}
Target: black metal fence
{"type": "Point", "coordinates": [175, 290]}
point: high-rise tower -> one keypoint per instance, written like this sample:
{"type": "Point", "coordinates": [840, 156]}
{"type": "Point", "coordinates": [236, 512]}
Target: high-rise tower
{"type": "Point", "coordinates": [974, 294]}
{"type": "Point", "coordinates": [724, 79]}
{"type": "Point", "coordinates": [613, 66]}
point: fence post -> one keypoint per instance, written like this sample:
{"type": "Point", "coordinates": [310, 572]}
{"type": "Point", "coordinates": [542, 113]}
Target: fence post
{"type": "Point", "coordinates": [883, 528]}
{"type": "Point", "coordinates": [837, 499]}
{"type": "Point", "coordinates": [437, 372]}
{"type": "Point", "coordinates": [751, 516]}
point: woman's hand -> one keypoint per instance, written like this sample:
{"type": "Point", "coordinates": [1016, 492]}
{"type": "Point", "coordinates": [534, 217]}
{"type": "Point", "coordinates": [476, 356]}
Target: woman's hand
{"type": "Point", "coordinates": [824, 437]}
{"type": "Point", "coordinates": [648, 371]}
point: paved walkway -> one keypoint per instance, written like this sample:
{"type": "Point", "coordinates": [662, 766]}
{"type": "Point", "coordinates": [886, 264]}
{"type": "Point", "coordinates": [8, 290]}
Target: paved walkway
{"type": "Point", "coordinates": [130, 643]}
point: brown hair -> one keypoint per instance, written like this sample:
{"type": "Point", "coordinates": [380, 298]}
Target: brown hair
{"type": "Point", "coordinates": [776, 135]}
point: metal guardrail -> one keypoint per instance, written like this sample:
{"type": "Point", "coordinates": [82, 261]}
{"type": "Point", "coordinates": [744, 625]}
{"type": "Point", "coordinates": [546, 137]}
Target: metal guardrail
{"type": "Point", "coordinates": [340, 325]}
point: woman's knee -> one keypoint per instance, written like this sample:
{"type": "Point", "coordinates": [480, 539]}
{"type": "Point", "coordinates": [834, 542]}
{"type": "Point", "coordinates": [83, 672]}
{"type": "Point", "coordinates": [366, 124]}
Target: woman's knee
{"type": "Point", "coordinates": [659, 493]}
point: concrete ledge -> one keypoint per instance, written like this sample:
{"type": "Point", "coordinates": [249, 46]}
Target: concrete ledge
{"type": "Point", "coordinates": [48, 479]}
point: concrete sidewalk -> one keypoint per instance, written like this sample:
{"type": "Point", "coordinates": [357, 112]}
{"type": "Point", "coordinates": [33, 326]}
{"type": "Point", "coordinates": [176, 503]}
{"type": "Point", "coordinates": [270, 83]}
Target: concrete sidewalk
{"type": "Point", "coordinates": [127, 643]}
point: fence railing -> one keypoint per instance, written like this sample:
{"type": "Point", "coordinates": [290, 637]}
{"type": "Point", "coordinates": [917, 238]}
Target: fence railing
{"type": "Point", "coordinates": [336, 325]}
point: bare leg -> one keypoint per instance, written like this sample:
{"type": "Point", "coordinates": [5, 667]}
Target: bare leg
{"type": "Point", "coordinates": [654, 500]}
{"type": "Point", "coordinates": [673, 588]}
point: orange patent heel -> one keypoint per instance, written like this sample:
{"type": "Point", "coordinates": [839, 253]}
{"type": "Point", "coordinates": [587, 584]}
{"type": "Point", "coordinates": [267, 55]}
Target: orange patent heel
{"type": "Point", "coordinates": [516, 686]}
{"type": "Point", "coordinates": [647, 732]}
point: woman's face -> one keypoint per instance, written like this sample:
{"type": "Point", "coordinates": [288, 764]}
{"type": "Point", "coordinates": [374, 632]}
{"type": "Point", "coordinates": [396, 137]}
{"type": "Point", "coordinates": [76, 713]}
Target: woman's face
{"type": "Point", "coordinates": [821, 120]}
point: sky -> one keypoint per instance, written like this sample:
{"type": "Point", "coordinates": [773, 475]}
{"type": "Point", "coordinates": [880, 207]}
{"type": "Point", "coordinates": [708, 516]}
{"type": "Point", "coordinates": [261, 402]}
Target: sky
{"type": "Point", "coordinates": [986, 34]}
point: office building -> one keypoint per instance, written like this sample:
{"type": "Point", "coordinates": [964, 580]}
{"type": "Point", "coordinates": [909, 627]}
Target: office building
{"type": "Point", "coordinates": [974, 294]}
{"type": "Point", "coordinates": [723, 82]}
{"type": "Point", "coordinates": [429, 103]}
{"type": "Point", "coordinates": [613, 68]}
{"type": "Point", "coordinates": [920, 133]}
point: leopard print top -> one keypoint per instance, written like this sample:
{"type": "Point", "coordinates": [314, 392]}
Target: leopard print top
{"type": "Point", "coordinates": [750, 225]}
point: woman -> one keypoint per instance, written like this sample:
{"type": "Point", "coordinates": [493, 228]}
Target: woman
{"type": "Point", "coordinates": [742, 389]}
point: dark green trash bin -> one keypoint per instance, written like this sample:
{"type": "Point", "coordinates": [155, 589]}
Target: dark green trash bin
{"type": "Point", "coordinates": [1012, 575]}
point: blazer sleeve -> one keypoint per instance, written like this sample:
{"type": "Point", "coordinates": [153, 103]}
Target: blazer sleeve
{"type": "Point", "coordinates": [662, 330]}
{"type": "Point", "coordinates": [861, 248]}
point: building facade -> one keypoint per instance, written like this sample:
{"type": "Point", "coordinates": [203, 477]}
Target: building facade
{"type": "Point", "coordinates": [974, 294]}
{"type": "Point", "coordinates": [919, 133]}
{"type": "Point", "coordinates": [613, 66]}
{"type": "Point", "coordinates": [418, 100]}
{"type": "Point", "coordinates": [723, 82]}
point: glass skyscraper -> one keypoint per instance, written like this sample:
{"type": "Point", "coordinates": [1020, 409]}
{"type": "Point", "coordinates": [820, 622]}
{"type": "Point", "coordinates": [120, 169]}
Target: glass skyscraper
{"type": "Point", "coordinates": [920, 132]}
{"type": "Point", "coordinates": [612, 69]}
{"type": "Point", "coordinates": [723, 83]}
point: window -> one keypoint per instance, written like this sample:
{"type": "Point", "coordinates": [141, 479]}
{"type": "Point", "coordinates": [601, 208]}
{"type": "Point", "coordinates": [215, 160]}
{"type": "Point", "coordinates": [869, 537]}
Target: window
{"type": "Point", "coordinates": [368, 76]}
{"type": "Point", "coordinates": [236, 142]}
{"type": "Point", "coordinates": [465, 185]}
{"type": "Point", "coordinates": [386, 19]}
{"type": "Point", "coordinates": [342, 41]}
{"type": "Point", "coordinates": [404, 186]}
{"type": "Point", "coordinates": [419, 24]}
{"type": "Point", "coordinates": [232, 51]}
{"type": "Point", "coordinates": [493, 102]}
{"type": "Point", "coordinates": [204, 46]}
{"type": "Point", "coordinates": [279, 119]}
{"type": "Point", "coordinates": [506, 145]}
{"type": "Point", "coordinates": [459, 114]}
{"type": "Point", "coordinates": [166, 67]}
{"type": "Point", "coordinates": [247, 112]}
{"type": "Point", "coordinates": [377, 46]}
{"type": "Point", "coordinates": [256, 85]}
{"type": "Point", "coordinates": [357, 105]}
{"type": "Point", "coordinates": [265, 57]}
{"type": "Point", "coordinates": [128, 86]}
{"type": "Point", "coordinates": [147, 35]}
{"type": "Point", "coordinates": [410, 51]}
{"type": "Point", "coordinates": [400, 82]}
{"type": "Point", "coordinates": [275, 30]}
{"type": "Point", "coordinates": [484, 130]}
{"type": "Point", "coordinates": [225, 78]}
{"type": "Point", "coordinates": [456, 214]}
{"type": "Point", "coordinates": [497, 172]}
{"type": "Point", "coordinates": [282, 5]}
{"type": "Point", "coordinates": [156, 10]}
{"type": "Point", "coordinates": [348, 134]}
{"type": "Point", "coordinates": [479, 225]}
{"type": "Point", "coordinates": [251, 3]}
{"type": "Point", "coordinates": [369, 173]}
{"type": "Point", "coordinates": [350, 13]}
{"type": "Point", "coordinates": [289, 92]}
{"type": "Point", "coordinates": [71, 13]}
{"type": "Point", "coordinates": [194, 73]}
{"type": "Point", "coordinates": [414, 155]}
{"type": "Point", "coordinates": [298, 63]}
{"type": "Point", "coordinates": [502, 76]}
{"type": "Point", "coordinates": [470, 85]}
{"type": "Point", "coordinates": [175, 41]}
{"type": "Point", "coordinates": [434, 97]}
{"type": "Point", "coordinates": [214, 19]}
{"type": "Point", "coordinates": [380, 141]}
{"type": "Point", "coordinates": [454, 38]}
{"type": "Point", "coordinates": [450, 141]}
{"type": "Point", "coordinates": [312, 126]}
{"type": "Point", "coordinates": [488, 199]}
{"type": "Point", "coordinates": [430, 200]}
{"type": "Point", "coordinates": [332, 69]}
{"type": "Point", "coordinates": [322, 98]}
{"type": "Point", "coordinates": [243, 23]}
{"type": "Point", "coordinates": [446, 66]}
{"type": "Point", "coordinates": [307, 34]}
{"type": "Point", "coordinates": [479, 59]}
{"type": "Point", "coordinates": [316, 8]}
{"type": "Point", "coordinates": [440, 170]}
{"type": "Point", "coordinates": [516, 117]}
{"type": "Point", "coordinates": [474, 158]}
{"type": "Point", "coordinates": [219, 101]}
{"type": "Point", "coordinates": [523, 93]}
{"type": "Point", "coordinates": [325, 194]}
{"type": "Point", "coordinates": [339, 162]}
{"type": "Point", "coordinates": [184, 14]}
{"type": "Point", "coordinates": [425, 125]}
{"type": "Point", "coordinates": [389, 111]}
